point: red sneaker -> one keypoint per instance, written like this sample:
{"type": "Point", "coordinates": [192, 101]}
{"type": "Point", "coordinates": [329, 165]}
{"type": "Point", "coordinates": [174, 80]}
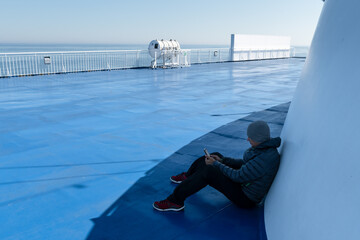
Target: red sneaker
{"type": "Point", "coordinates": [166, 205]}
{"type": "Point", "coordinates": [178, 178]}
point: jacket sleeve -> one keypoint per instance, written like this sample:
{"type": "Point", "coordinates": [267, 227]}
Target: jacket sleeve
{"type": "Point", "coordinates": [248, 172]}
{"type": "Point", "coordinates": [232, 162]}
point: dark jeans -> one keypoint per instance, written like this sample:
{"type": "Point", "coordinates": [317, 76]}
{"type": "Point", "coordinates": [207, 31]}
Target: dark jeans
{"type": "Point", "coordinates": [200, 175]}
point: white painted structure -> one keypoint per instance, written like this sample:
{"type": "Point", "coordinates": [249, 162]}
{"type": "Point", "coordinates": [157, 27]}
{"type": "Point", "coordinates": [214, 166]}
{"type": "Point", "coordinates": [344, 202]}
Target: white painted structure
{"type": "Point", "coordinates": [257, 47]}
{"type": "Point", "coordinates": [316, 194]}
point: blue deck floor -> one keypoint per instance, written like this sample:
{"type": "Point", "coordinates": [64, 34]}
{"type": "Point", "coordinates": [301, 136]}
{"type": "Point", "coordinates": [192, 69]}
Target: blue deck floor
{"type": "Point", "coordinates": [71, 145]}
{"type": "Point", "coordinates": [208, 214]}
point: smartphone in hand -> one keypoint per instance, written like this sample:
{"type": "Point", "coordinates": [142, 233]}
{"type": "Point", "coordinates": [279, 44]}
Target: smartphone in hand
{"type": "Point", "coordinates": [206, 152]}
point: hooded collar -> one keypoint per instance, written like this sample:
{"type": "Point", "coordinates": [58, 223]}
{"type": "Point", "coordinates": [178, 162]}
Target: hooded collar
{"type": "Point", "coordinates": [272, 143]}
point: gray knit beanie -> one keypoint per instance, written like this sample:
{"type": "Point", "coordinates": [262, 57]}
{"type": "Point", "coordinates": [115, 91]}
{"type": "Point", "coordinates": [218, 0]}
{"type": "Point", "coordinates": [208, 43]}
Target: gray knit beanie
{"type": "Point", "coordinates": [259, 131]}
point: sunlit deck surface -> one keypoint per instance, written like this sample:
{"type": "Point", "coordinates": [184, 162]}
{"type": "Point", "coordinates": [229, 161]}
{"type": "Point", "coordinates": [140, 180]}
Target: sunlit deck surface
{"type": "Point", "coordinates": [71, 145]}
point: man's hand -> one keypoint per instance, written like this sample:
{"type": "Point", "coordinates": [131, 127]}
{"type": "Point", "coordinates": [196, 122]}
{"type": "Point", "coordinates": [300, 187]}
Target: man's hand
{"type": "Point", "coordinates": [209, 160]}
{"type": "Point", "coordinates": [216, 157]}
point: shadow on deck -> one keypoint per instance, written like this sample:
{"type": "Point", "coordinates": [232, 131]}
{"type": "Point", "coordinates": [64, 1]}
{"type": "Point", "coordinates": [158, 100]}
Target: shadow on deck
{"type": "Point", "coordinates": [208, 214]}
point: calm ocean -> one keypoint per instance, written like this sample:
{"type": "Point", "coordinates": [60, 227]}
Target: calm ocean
{"type": "Point", "coordinates": [12, 48]}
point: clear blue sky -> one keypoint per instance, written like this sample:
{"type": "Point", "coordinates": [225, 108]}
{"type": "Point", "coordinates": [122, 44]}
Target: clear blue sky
{"type": "Point", "coordinates": [138, 22]}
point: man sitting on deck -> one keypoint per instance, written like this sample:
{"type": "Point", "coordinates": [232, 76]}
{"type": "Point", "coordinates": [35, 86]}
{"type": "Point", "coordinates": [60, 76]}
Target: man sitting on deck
{"type": "Point", "coordinates": [244, 181]}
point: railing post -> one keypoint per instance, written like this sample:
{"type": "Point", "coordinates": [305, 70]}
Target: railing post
{"type": "Point", "coordinates": [137, 59]}
{"type": "Point", "coordinates": [86, 62]}
{"type": "Point", "coordinates": [20, 66]}
{"type": "Point", "coordinates": [107, 61]}
{"type": "Point", "coordinates": [125, 60]}
{"type": "Point", "coordinates": [2, 67]}
{"type": "Point", "coordinates": [7, 66]}
{"type": "Point", "coordinates": [27, 65]}
{"type": "Point", "coordinates": [36, 65]}
{"type": "Point", "coordinates": [62, 63]}
{"type": "Point", "coordinates": [32, 65]}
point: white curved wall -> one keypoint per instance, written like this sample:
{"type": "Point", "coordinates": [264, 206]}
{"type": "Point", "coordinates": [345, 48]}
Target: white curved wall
{"type": "Point", "coordinates": [316, 194]}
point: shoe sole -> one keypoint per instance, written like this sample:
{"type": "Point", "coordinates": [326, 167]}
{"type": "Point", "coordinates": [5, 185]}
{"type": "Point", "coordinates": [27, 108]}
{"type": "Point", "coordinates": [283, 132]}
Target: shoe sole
{"type": "Point", "coordinates": [175, 181]}
{"type": "Point", "coordinates": [168, 209]}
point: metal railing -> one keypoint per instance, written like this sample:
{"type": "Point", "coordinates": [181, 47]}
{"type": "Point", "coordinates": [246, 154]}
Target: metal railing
{"type": "Point", "coordinates": [209, 55]}
{"type": "Point", "coordinates": [299, 52]}
{"type": "Point", "coordinates": [38, 63]}
{"type": "Point", "coordinates": [41, 63]}
{"type": "Point", "coordinates": [259, 54]}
